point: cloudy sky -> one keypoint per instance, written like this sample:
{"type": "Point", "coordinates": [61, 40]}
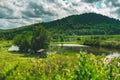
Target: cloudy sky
{"type": "Point", "coordinates": [16, 13]}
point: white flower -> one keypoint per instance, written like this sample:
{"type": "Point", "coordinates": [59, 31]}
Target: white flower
{"type": "Point", "coordinates": [118, 64]}
{"type": "Point", "coordinates": [108, 60]}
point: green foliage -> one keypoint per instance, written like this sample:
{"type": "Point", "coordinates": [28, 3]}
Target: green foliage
{"type": "Point", "coordinates": [33, 41]}
{"type": "Point", "coordinates": [92, 42]}
{"type": "Point", "coordinates": [23, 41]}
{"type": "Point", "coordinates": [55, 67]}
{"type": "Point", "coordinates": [78, 66]}
{"type": "Point", "coordinates": [40, 39]}
{"type": "Point", "coordinates": [84, 24]}
{"type": "Point", "coordinates": [108, 41]}
{"type": "Point", "coordinates": [91, 67]}
{"type": "Point", "coordinates": [110, 44]}
{"type": "Point", "coordinates": [86, 69]}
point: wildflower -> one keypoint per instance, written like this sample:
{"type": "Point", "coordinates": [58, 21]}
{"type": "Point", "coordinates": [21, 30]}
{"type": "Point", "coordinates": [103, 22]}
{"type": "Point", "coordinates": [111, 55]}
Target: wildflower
{"type": "Point", "coordinates": [66, 70]}
{"type": "Point", "coordinates": [108, 60]}
{"type": "Point", "coordinates": [92, 59]}
{"type": "Point", "coordinates": [78, 55]}
{"type": "Point", "coordinates": [118, 64]}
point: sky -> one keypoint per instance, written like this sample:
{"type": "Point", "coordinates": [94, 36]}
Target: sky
{"type": "Point", "coordinates": [17, 13]}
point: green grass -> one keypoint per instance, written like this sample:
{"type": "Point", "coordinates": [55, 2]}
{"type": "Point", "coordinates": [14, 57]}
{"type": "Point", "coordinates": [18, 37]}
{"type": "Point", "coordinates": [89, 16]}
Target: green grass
{"type": "Point", "coordinates": [111, 41]}
{"type": "Point", "coordinates": [66, 42]}
{"type": "Point", "coordinates": [78, 66]}
{"type": "Point", "coordinates": [108, 41]}
{"type": "Point", "coordinates": [25, 66]}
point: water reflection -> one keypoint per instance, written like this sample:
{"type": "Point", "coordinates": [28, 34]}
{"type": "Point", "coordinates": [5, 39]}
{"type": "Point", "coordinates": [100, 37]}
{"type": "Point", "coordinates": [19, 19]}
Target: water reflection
{"type": "Point", "coordinates": [77, 48]}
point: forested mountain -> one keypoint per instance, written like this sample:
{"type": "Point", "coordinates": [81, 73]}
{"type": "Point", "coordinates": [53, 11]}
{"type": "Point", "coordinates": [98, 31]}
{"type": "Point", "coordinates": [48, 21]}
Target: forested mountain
{"type": "Point", "coordinates": [84, 24]}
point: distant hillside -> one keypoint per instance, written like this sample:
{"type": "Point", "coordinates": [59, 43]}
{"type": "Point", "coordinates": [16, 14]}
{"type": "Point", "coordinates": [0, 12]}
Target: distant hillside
{"type": "Point", "coordinates": [84, 24]}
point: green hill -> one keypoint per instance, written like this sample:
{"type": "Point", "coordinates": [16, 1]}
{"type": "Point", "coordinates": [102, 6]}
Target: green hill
{"type": "Point", "coordinates": [84, 24]}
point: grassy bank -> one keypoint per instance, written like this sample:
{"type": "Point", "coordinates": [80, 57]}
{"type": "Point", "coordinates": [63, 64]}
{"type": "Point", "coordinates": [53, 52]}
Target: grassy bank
{"type": "Point", "coordinates": [107, 41]}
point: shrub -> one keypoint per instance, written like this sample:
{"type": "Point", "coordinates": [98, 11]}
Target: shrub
{"type": "Point", "coordinates": [110, 44]}
{"type": "Point", "coordinates": [91, 68]}
{"type": "Point", "coordinates": [92, 42]}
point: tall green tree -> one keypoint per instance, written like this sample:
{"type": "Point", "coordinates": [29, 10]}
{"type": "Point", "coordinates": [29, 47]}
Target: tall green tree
{"type": "Point", "coordinates": [40, 39]}
{"type": "Point", "coordinates": [23, 41]}
{"type": "Point", "coordinates": [33, 41]}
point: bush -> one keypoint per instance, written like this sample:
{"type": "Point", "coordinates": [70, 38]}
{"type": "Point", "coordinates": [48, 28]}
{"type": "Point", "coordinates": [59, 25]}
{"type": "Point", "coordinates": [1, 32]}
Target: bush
{"type": "Point", "coordinates": [86, 70]}
{"type": "Point", "coordinates": [33, 41]}
{"type": "Point", "coordinates": [90, 68]}
{"type": "Point", "coordinates": [92, 42]}
{"type": "Point", "coordinates": [56, 67]}
{"type": "Point", "coordinates": [110, 44]}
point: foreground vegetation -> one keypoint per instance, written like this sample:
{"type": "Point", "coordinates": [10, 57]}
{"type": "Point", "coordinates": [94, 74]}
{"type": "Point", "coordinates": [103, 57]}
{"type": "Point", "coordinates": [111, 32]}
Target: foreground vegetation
{"type": "Point", "coordinates": [65, 66]}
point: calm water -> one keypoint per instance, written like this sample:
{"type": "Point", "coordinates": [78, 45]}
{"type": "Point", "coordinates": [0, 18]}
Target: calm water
{"type": "Point", "coordinates": [88, 49]}
{"type": "Point", "coordinates": [77, 48]}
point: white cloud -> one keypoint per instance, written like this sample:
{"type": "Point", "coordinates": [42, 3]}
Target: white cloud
{"type": "Point", "coordinates": [16, 13]}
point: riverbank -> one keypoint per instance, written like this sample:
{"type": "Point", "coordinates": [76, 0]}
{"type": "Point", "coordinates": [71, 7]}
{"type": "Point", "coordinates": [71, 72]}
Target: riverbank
{"type": "Point", "coordinates": [71, 45]}
{"type": "Point", "coordinates": [103, 43]}
{"type": "Point", "coordinates": [107, 41]}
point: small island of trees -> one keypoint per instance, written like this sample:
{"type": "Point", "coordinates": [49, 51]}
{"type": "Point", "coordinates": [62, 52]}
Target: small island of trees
{"type": "Point", "coordinates": [39, 38]}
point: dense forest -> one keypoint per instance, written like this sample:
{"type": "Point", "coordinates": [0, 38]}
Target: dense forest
{"type": "Point", "coordinates": [84, 24]}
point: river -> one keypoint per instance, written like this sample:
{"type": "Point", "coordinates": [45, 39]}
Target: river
{"type": "Point", "coordinates": [77, 48]}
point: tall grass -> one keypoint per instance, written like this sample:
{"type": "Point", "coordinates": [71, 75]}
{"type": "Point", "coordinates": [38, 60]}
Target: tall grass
{"type": "Point", "coordinates": [103, 41]}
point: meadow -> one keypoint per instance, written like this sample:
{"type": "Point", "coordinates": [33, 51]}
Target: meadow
{"type": "Point", "coordinates": [77, 66]}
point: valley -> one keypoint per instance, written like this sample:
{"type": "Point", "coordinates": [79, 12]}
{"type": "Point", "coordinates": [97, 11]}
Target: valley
{"type": "Point", "coordinates": [78, 47]}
